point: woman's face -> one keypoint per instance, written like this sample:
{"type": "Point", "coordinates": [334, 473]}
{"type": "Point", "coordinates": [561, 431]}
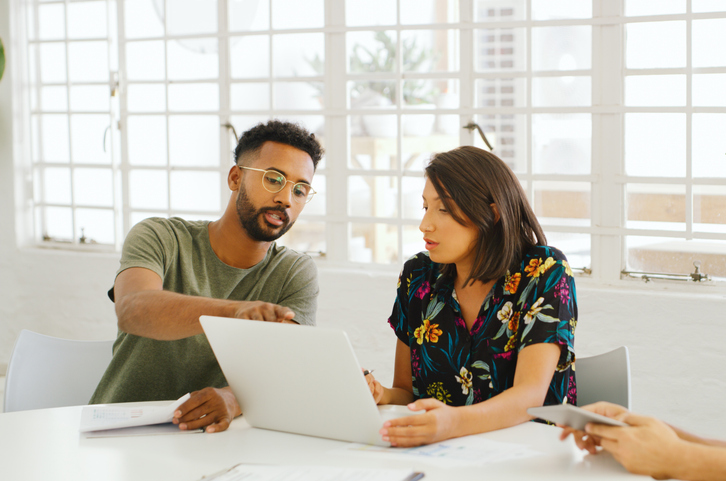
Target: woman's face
{"type": "Point", "coordinates": [447, 241]}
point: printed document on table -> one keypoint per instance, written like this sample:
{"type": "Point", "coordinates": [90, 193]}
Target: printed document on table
{"type": "Point", "coordinates": [468, 450]}
{"type": "Point", "coordinates": [117, 420]}
{"type": "Point", "coordinates": [266, 472]}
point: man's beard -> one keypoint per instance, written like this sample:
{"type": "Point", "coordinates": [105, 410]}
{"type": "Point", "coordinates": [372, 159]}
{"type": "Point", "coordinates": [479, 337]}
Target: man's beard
{"type": "Point", "coordinates": [249, 218]}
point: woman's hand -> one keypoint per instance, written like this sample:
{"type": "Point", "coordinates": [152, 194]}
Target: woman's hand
{"type": "Point", "coordinates": [439, 422]}
{"type": "Point", "coordinates": [377, 389]}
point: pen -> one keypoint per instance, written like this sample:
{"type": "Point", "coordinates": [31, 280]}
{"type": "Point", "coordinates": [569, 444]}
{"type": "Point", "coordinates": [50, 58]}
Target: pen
{"type": "Point", "coordinates": [367, 372]}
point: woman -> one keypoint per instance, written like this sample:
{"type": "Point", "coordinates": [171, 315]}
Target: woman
{"type": "Point", "coordinates": [485, 318]}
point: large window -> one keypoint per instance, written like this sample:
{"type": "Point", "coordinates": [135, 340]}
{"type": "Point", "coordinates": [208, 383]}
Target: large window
{"type": "Point", "coordinates": [611, 112]}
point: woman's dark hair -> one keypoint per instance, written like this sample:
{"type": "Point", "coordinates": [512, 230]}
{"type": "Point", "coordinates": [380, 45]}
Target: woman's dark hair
{"type": "Point", "coordinates": [282, 132]}
{"type": "Point", "coordinates": [468, 180]}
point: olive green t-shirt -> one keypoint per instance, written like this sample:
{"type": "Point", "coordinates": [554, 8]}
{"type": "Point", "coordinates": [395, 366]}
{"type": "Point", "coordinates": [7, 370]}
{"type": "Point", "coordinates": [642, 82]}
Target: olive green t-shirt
{"type": "Point", "coordinates": [179, 251]}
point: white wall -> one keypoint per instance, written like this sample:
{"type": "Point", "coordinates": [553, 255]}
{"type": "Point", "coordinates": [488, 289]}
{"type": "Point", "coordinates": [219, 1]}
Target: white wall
{"type": "Point", "coordinates": [674, 333]}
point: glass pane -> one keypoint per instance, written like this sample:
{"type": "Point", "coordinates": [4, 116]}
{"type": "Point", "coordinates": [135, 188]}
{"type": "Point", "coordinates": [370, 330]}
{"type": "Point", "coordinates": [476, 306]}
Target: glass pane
{"type": "Point", "coordinates": [655, 206]}
{"type": "Point", "coordinates": [195, 191]}
{"type": "Point", "coordinates": [147, 140]}
{"type": "Point", "coordinates": [372, 196]}
{"type": "Point", "coordinates": [248, 15]}
{"type": "Point", "coordinates": [412, 189]}
{"type": "Point", "coordinates": [709, 90]}
{"type": "Point", "coordinates": [372, 94]}
{"type": "Point", "coordinates": [57, 185]}
{"type": "Point", "coordinates": [709, 208]}
{"type": "Point", "coordinates": [298, 55]}
{"type": "Point", "coordinates": [194, 140]}
{"type": "Point", "coordinates": [634, 8]}
{"type": "Point", "coordinates": [493, 10]}
{"type": "Point", "coordinates": [562, 92]}
{"type": "Point", "coordinates": [417, 12]}
{"type": "Point", "coordinates": [51, 22]}
{"type": "Point", "coordinates": [53, 62]}
{"type": "Point", "coordinates": [374, 152]}
{"type": "Point", "coordinates": [316, 206]}
{"type": "Point", "coordinates": [250, 56]}
{"type": "Point", "coordinates": [655, 145]}
{"type": "Point", "coordinates": [193, 59]}
{"type": "Point", "coordinates": [505, 92]}
{"type": "Point", "coordinates": [148, 189]}
{"type": "Point", "coordinates": [576, 247]}
{"type": "Point", "coordinates": [58, 223]}
{"type": "Point", "coordinates": [189, 17]}
{"type": "Point", "coordinates": [373, 243]}
{"type": "Point", "coordinates": [655, 45]}
{"type": "Point", "coordinates": [708, 5]}
{"type": "Point", "coordinates": [90, 141]}
{"type": "Point", "coordinates": [250, 96]}
{"type": "Point", "coordinates": [54, 99]}
{"type": "Point", "coordinates": [193, 97]}
{"type": "Point", "coordinates": [95, 226]}
{"type": "Point", "coordinates": [145, 60]}
{"type": "Point", "coordinates": [669, 255]}
{"type": "Point", "coordinates": [562, 48]}
{"type": "Point", "coordinates": [417, 130]}
{"type": "Point", "coordinates": [369, 12]}
{"type": "Point", "coordinates": [500, 49]}
{"type": "Point", "coordinates": [297, 96]}
{"type": "Point", "coordinates": [93, 187]}
{"type": "Point", "coordinates": [90, 98]}
{"type": "Point", "coordinates": [655, 90]}
{"type": "Point", "coordinates": [707, 34]}
{"type": "Point", "coordinates": [562, 203]}
{"type": "Point", "coordinates": [306, 236]}
{"type": "Point", "coordinates": [563, 9]}
{"type": "Point", "coordinates": [507, 134]}
{"type": "Point", "coordinates": [88, 62]}
{"type": "Point", "coordinates": [146, 98]}
{"type": "Point", "coordinates": [371, 52]}
{"type": "Point", "coordinates": [420, 93]}
{"type": "Point", "coordinates": [412, 241]}
{"type": "Point", "coordinates": [419, 125]}
{"type": "Point", "coordinates": [296, 14]}
{"type": "Point", "coordinates": [562, 143]}
{"type": "Point", "coordinates": [87, 20]}
{"type": "Point", "coordinates": [709, 145]}
{"type": "Point", "coordinates": [143, 18]}
{"type": "Point", "coordinates": [54, 138]}
{"type": "Point", "coordinates": [430, 50]}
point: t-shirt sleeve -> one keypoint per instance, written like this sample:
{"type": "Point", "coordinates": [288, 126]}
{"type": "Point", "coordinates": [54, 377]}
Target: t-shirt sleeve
{"type": "Point", "coordinates": [300, 292]}
{"type": "Point", "coordinates": [399, 315]}
{"type": "Point", "coordinates": [147, 245]}
{"type": "Point", "coordinates": [549, 306]}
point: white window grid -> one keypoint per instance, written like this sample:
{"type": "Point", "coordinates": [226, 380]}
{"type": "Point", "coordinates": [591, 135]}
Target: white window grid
{"type": "Point", "coordinates": [607, 177]}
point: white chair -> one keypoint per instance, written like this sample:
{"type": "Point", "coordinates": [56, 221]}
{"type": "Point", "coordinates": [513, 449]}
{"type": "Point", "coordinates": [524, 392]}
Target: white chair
{"type": "Point", "coordinates": [47, 371]}
{"type": "Point", "coordinates": [604, 377]}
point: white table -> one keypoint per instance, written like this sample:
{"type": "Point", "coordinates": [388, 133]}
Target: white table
{"type": "Point", "coordinates": [46, 445]}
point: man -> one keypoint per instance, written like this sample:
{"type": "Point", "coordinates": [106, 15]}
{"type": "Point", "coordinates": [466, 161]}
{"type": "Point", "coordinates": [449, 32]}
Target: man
{"type": "Point", "coordinates": [173, 271]}
{"type": "Point", "coordinates": [651, 447]}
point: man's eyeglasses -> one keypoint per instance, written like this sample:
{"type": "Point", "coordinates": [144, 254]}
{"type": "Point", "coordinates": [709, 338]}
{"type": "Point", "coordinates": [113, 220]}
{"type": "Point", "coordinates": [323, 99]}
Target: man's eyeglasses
{"type": "Point", "coordinates": [273, 181]}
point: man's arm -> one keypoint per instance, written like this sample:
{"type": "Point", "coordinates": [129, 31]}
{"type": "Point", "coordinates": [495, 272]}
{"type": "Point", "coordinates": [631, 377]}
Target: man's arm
{"type": "Point", "coordinates": [144, 309]}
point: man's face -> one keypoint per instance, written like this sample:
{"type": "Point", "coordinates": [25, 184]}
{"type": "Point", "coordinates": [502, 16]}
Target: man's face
{"type": "Point", "coordinates": [265, 215]}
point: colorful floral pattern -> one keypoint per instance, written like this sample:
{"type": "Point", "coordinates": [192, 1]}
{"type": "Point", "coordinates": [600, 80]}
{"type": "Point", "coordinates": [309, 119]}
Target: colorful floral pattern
{"type": "Point", "coordinates": [534, 304]}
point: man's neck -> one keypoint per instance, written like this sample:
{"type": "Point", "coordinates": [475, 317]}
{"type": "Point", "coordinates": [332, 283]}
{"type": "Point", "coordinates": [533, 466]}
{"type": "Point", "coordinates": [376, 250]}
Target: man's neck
{"type": "Point", "coordinates": [233, 245]}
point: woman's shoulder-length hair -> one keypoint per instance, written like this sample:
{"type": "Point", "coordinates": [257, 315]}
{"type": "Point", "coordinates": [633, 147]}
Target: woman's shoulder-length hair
{"type": "Point", "coordinates": [468, 180]}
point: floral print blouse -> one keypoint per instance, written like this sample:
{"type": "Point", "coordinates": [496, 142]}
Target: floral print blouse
{"type": "Point", "coordinates": [534, 304]}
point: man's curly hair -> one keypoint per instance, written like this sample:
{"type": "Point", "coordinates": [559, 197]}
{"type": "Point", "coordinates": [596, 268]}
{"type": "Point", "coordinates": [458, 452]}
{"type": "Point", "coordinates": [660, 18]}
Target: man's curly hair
{"type": "Point", "coordinates": [278, 131]}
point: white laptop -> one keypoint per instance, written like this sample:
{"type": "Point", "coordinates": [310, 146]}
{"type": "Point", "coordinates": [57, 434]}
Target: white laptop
{"type": "Point", "coordinates": [298, 379]}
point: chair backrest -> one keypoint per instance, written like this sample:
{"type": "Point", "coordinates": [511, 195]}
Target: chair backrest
{"type": "Point", "coordinates": [604, 377]}
{"type": "Point", "coordinates": [47, 371]}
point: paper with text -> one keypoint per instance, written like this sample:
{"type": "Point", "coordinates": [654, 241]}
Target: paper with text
{"type": "Point", "coordinates": [104, 417]}
{"type": "Point", "coordinates": [264, 472]}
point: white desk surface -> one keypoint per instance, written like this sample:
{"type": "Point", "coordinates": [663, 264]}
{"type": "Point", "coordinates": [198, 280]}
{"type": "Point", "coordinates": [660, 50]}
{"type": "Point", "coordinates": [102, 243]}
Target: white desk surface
{"type": "Point", "coordinates": [45, 444]}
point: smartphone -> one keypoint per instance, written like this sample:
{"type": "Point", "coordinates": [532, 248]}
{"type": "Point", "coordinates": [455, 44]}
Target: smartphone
{"type": "Point", "coordinates": [572, 416]}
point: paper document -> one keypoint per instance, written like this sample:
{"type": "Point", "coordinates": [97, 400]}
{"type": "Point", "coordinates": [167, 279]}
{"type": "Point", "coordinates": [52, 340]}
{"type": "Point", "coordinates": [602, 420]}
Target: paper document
{"type": "Point", "coordinates": [264, 472]}
{"type": "Point", "coordinates": [468, 450]}
{"type": "Point", "coordinates": [101, 420]}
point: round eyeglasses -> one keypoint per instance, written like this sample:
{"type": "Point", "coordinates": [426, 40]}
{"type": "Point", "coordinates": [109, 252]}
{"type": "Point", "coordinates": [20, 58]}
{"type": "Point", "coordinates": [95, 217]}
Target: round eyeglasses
{"type": "Point", "coordinates": [274, 182]}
